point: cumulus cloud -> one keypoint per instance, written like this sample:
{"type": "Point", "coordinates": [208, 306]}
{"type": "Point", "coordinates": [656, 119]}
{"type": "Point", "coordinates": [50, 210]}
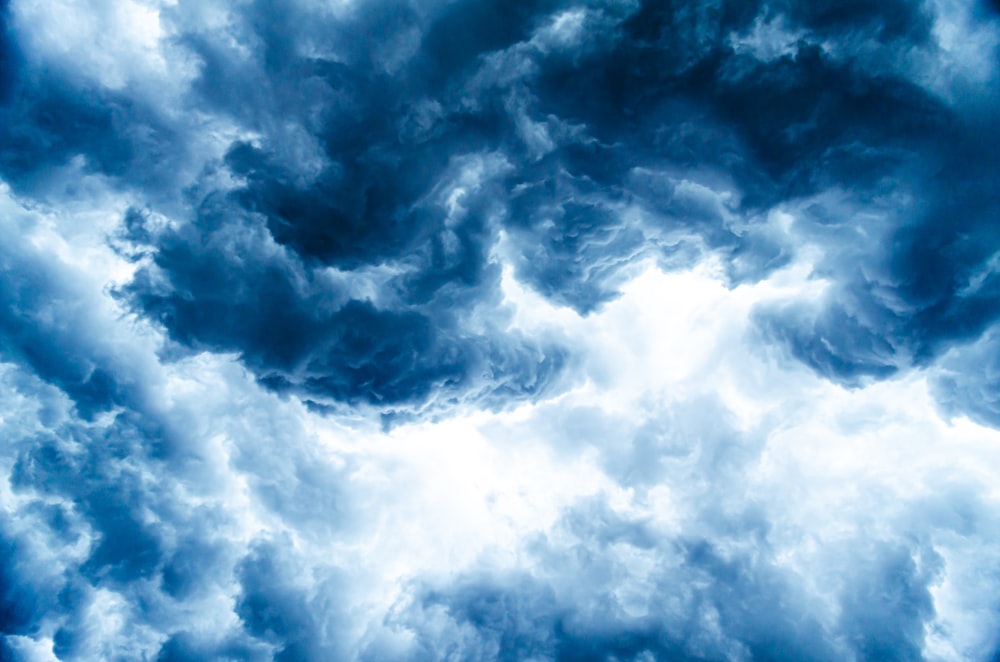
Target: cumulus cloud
{"type": "Point", "coordinates": [599, 329]}
{"type": "Point", "coordinates": [405, 138]}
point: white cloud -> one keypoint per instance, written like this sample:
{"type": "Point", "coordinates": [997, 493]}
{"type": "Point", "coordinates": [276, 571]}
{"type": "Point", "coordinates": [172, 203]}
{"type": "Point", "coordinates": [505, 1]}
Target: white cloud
{"type": "Point", "coordinates": [113, 44]}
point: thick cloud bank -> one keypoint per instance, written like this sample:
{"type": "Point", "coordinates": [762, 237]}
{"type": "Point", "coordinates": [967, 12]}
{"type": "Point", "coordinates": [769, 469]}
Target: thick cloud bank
{"type": "Point", "coordinates": [478, 330]}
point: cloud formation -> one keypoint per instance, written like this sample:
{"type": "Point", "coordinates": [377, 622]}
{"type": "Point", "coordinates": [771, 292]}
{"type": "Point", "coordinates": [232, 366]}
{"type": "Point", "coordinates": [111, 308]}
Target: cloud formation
{"type": "Point", "coordinates": [570, 330]}
{"type": "Point", "coordinates": [374, 145]}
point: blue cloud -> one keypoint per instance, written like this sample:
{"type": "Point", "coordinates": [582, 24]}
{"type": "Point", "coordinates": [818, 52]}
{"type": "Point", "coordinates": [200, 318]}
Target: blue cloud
{"type": "Point", "coordinates": [705, 601]}
{"type": "Point", "coordinates": [280, 225]}
{"type": "Point", "coordinates": [342, 180]}
{"type": "Point", "coordinates": [968, 382]}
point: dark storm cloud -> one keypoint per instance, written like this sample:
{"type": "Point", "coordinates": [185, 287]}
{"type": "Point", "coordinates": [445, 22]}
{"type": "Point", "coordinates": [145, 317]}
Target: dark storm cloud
{"type": "Point", "coordinates": [51, 121]}
{"type": "Point", "coordinates": [601, 131]}
{"type": "Point", "coordinates": [346, 242]}
{"type": "Point", "coordinates": [9, 56]}
{"type": "Point", "coordinates": [792, 127]}
{"type": "Point", "coordinates": [927, 279]}
{"type": "Point", "coordinates": [229, 288]}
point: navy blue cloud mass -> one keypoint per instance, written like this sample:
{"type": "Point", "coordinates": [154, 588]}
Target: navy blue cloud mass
{"type": "Point", "coordinates": [490, 330]}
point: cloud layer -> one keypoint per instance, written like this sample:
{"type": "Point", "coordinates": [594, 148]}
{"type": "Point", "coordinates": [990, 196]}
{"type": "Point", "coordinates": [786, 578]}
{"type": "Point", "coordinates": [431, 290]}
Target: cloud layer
{"type": "Point", "coordinates": [607, 330]}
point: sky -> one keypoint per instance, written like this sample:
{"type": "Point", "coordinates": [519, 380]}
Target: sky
{"type": "Point", "coordinates": [594, 330]}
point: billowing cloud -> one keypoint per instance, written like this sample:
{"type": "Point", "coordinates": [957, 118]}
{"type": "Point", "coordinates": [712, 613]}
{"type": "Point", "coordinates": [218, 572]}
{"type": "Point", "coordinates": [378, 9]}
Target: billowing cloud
{"type": "Point", "coordinates": [569, 330]}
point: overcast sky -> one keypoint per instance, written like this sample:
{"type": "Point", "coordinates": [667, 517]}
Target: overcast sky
{"type": "Point", "coordinates": [499, 330]}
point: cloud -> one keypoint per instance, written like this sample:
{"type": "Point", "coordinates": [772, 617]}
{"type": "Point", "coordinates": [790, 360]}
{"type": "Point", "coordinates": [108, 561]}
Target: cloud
{"type": "Point", "coordinates": [122, 517]}
{"type": "Point", "coordinates": [564, 330]}
{"type": "Point", "coordinates": [967, 381]}
{"type": "Point", "coordinates": [730, 505]}
{"type": "Point", "coordinates": [730, 526]}
{"type": "Point", "coordinates": [585, 597]}
{"type": "Point", "coordinates": [413, 159]}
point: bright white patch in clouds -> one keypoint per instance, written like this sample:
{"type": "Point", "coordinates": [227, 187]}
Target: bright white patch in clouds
{"type": "Point", "coordinates": [32, 649]}
{"type": "Point", "coordinates": [835, 466]}
{"type": "Point", "coordinates": [968, 48]}
{"type": "Point", "coordinates": [564, 30]}
{"type": "Point", "coordinates": [454, 493]}
{"type": "Point", "coordinates": [115, 44]}
{"type": "Point", "coordinates": [768, 40]}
